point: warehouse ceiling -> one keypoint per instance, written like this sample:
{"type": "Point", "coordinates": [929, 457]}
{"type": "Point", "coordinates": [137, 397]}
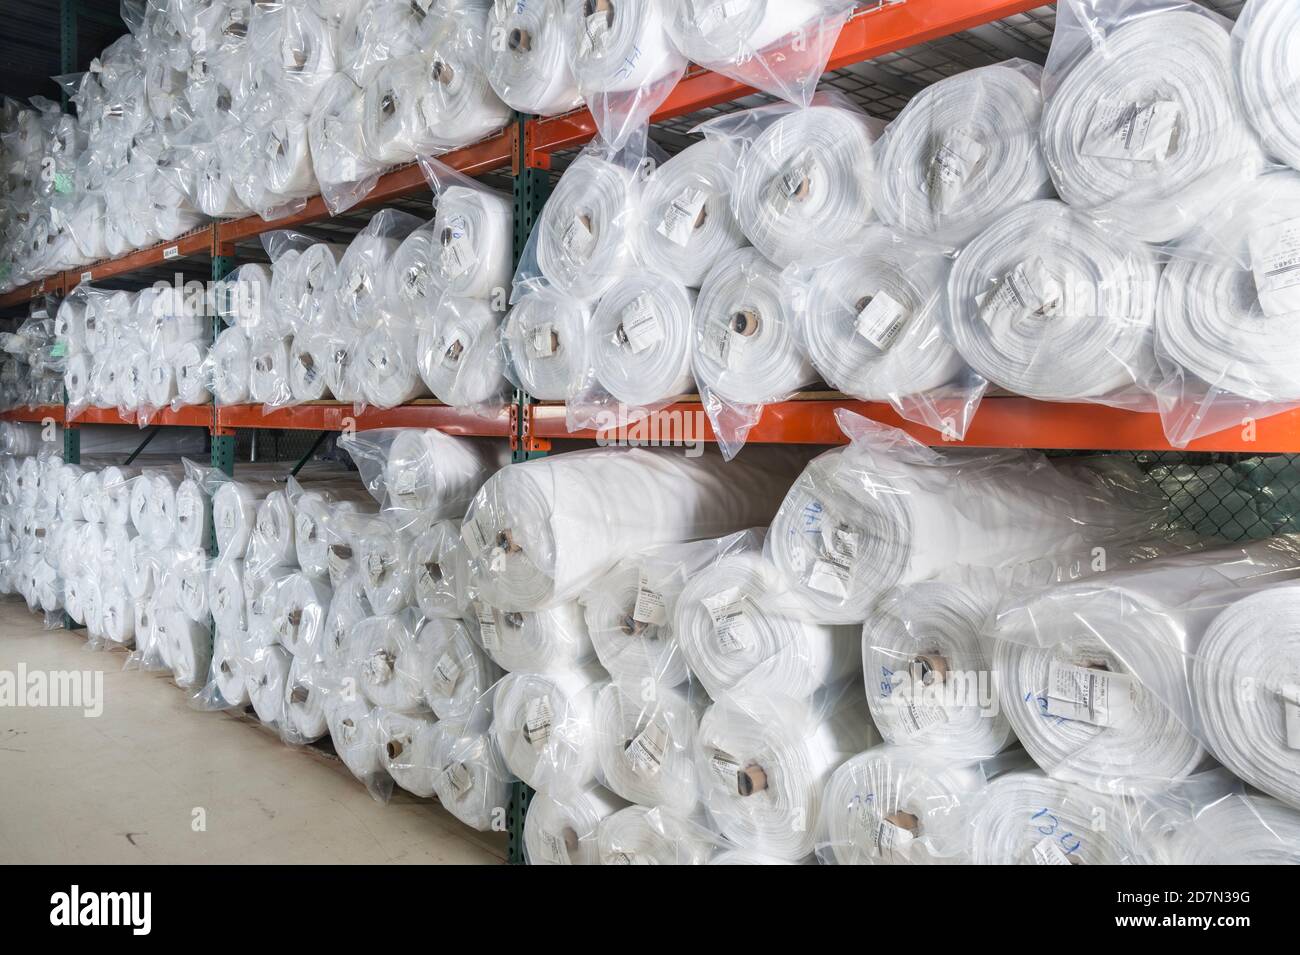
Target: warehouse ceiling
{"type": "Point", "coordinates": [29, 42]}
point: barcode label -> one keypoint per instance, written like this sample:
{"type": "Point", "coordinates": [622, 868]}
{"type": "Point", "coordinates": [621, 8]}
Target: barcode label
{"type": "Point", "coordinates": [681, 216]}
{"type": "Point", "coordinates": [1086, 695]}
{"type": "Point", "coordinates": [882, 320]}
{"type": "Point", "coordinates": [649, 607]}
{"type": "Point", "coordinates": [538, 718]}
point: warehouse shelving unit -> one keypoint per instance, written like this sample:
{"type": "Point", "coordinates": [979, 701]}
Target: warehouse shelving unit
{"type": "Point", "coordinates": [888, 50]}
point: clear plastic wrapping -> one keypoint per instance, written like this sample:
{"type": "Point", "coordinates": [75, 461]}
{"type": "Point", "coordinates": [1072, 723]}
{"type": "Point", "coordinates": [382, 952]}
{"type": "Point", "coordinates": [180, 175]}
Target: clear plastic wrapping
{"type": "Point", "coordinates": [544, 339]}
{"type": "Point", "coordinates": [646, 745]}
{"type": "Point", "coordinates": [535, 641]}
{"type": "Point", "coordinates": [561, 829]}
{"type": "Point", "coordinates": [526, 57]}
{"type": "Point", "coordinates": [1267, 77]}
{"type": "Point", "coordinates": [545, 726]}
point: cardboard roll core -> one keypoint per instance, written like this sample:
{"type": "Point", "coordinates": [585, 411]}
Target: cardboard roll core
{"type": "Point", "coordinates": [443, 72]}
{"type": "Point", "coordinates": [454, 351]}
{"type": "Point", "coordinates": [514, 619]}
{"type": "Point", "coordinates": [571, 839]}
{"type": "Point", "coordinates": [745, 321]}
{"type": "Point", "coordinates": [520, 41]}
{"type": "Point", "coordinates": [394, 748]}
{"type": "Point", "coordinates": [434, 570]}
{"type": "Point", "coordinates": [341, 551]}
{"type": "Point", "coordinates": [225, 665]}
{"type": "Point", "coordinates": [388, 105]}
{"type": "Point", "coordinates": [928, 668]}
{"type": "Point", "coordinates": [751, 779]}
{"type": "Point", "coordinates": [299, 694]}
{"type": "Point", "coordinates": [632, 627]}
{"type": "Point", "coordinates": [295, 59]}
{"type": "Point", "coordinates": [592, 7]}
{"type": "Point", "coordinates": [447, 236]}
{"type": "Point", "coordinates": [506, 541]}
{"type": "Point", "coordinates": [294, 618]}
{"type": "Point", "coordinates": [904, 820]}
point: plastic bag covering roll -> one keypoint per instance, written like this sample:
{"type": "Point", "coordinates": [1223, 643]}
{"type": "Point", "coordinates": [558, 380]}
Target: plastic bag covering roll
{"type": "Point", "coordinates": [394, 126]}
{"type": "Point", "coordinates": [77, 378]}
{"type": "Point", "coordinates": [374, 32]}
{"type": "Point", "coordinates": [474, 229]}
{"type": "Point", "coordinates": [1239, 830]}
{"type": "Point", "coordinates": [386, 366]}
{"type": "Point", "coordinates": [545, 341]}
{"type": "Point", "coordinates": [189, 370]}
{"type": "Point", "coordinates": [722, 34]}
{"type": "Point", "coordinates": [268, 381]}
{"type": "Point", "coordinates": [415, 276]}
{"type": "Point", "coordinates": [746, 349]}
{"type": "Point", "coordinates": [640, 339]}
{"type": "Point", "coordinates": [454, 671]}
{"type": "Point", "coordinates": [1267, 75]}
{"type": "Point", "coordinates": [304, 700]}
{"type": "Point", "coordinates": [441, 571]}
{"type": "Point", "coordinates": [234, 514]}
{"type": "Point", "coordinates": [1024, 818]}
{"type": "Point", "coordinates": [360, 281]}
{"type": "Point", "coordinates": [1049, 304]}
{"type": "Point", "coordinates": [408, 745]}
{"type": "Point", "coordinates": [226, 595]}
{"type": "Point", "coordinates": [640, 836]}
{"type": "Point", "coordinates": [963, 152]}
{"type": "Point", "coordinates": [186, 646]}
{"type": "Point", "coordinates": [308, 359]}
{"type": "Point", "coordinates": [1246, 687]}
{"type": "Point", "coordinates": [917, 643]}
{"type": "Point", "coordinates": [388, 663]}
{"type": "Point", "coordinates": [530, 69]}
{"type": "Point", "coordinates": [686, 223]}
{"type": "Point", "coordinates": [288, 166]}
{"type": "Point", "coordinates": [354, 728]}
{"type": "Point", "coordinates": [272, 540]}
{"type": "Point", "coordinates": [536, 641]}
{"type": "Point", "coordinates": [117, 615]}
{"type": "Point", "coordinates": [561, 829]}
{"type": "Point", "coordinates": [459, 106]}
{"type": "Point", "coordinates": [545, 726]}
{"type": "Point", "coordinates": [582, 235]}
{"type": "Point", "coordinates": [191, 516]}
{"type": "Point", "coordinates": [891, 806]}
{"type": "Point", "coordinates": [871, 320]}
{"type": "Point", "coordinates": [1146, 128]}
{"type": "Point", "coordinates": [633, 650]}
{"type": "Point", "coordinates": [764, 762]}
{"type": "Point", "coordinates": [316, 513]}
{"type": "Point", "coordinates": [347, 609]}
{"type": "Point", "coordinates": [190, 575]}
{"type": "Point", "coordinates": [335, 134]}
{"type": "Point", "coordinates": [458, 355]}
{"type": "Point", "coordinates": [804, 187]}
{"type": "Point", "coordinates": [383, 555]}
{"type": "Point", "coordinates": [1225, 312]}
{"type": "Point", "coordinates": [298, 616]}
{"type": "Point", "coordinates": [646, 747]}
{"type": "Point", "coordinates": [542, 531]}
{"type": "Point", "coordinates": [434, 476]}
{"type": "Point", "coordinates": [259, 601]}
{"type": "Point", "coordinates": [619, 46]}
{"type": "Point", "coordinates": [231, 367]}
{"type": "Point", "coordinates": [230, 660]}
{"type": "Point", "coordinates": [473, 784]}
{"type": "Point", "coordinates": [739, 628]}
{"type": "Point", "coordinates": [268, 672]}
{"type": "Point", "coordinates": [342, 370]}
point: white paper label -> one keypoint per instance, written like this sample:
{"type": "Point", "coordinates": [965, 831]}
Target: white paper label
{"type": "Point", "coordinates": [641, 327]}
{"type": "Point", "coordinates": [487, 628]}
{"type": "Point", "coordinates": [458, 256]}
{"type": "Point", "coordinates": [887, 838]}
{"type": "Point", "coordinates": [1029, 287]}
{"type": "Point", "coordinates": [829, 577]}
{"type": "Point", "coordinates": [710, 16]}
{"type": "Point", "coordinates": [720, 344]}
{"type": "Point", "coordinates": [473, 533]}
{"type": "Point", "coordinates": [1047, 852]}
{"type": "Point", "coordinates": [882, 320]}
{"type": "Point", "coordinates": [793, 180]}
{"type": "Point", "coordinates": [649, 607]}
{"type": "Point", "coordinates": [1275, 260]}
{"type": "Point", "coordinates": [1291, 703]}
{"type": "Point", "coordinates": [595, 32]}
{"type": "Point", "coordinates": [445, 674]}
{"type": "Point", "coordinates": [539, 342]}
{"type": "Point", "coordinates": [1139, 132]}
{"type": "Point", "coordinates": [725, 767]}
{"type": "Point", "coordinates": [537, 721]}
{"type": "Point", "coordinates": [338, 565]}
{"type": "Point", "coordinates": [577, 239]}
{"type": "Point", "coordinates": [458, 775]}
{"type": "Point", "coordinates": [680, 216]}
{"type": "Point", "coordinates": [554, 850]}
{"type": "Point", "coordinates": [730, 621]}
{"type": "Point", "coordinates": [87, 276]}
{"type": "Point", "coordinates": [172, 252]}
{"type": "Point", "coordinates": [950, 168]}
{"type": "Point", "coordinates": [915, 717]}
{"type": "Point", "coordinates": [645, 754]}
{"type": "Point", "coordinates": [1098, 697]}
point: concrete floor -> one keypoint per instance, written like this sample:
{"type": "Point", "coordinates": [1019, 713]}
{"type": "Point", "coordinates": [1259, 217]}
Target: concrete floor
{"type": "Point", "coordinates": [125, 787]}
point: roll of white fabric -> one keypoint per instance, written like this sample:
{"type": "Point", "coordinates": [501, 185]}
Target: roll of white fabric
{"type": "Point", "coordinates": [963, 152]}
{"type": "Point", "coordinates": [394, 126]}
{"type": "Point", "coordinates": [1267, 75]}
{"type": "Point", "coordinates": [354, 728]}
{"type": "Point", "coordinates": [545, 727]}
{"type": "Point", "coordinates": [633, 637]}
{"type": "Point", "coordinates": [115, 486]}
{"type": "Point", "coordinates": [234, 514]}
{"type": "Point", "coordinates": [298, 617]}
{"type": "Point", "coordinates": [1024, 818]}
{"type": "Point", "coordinates": [117, 614]}
{"type": "Point", "coordinates": [259, 601]}
{"type": "Point", "coordinates": [142, 570]}
{"type": "Point", "coordinates": [387, 367]}
{"type": "Point", "coordinates": [268, 381]}
{"type": "Point", "coordinates": [230, 659]}
{"type": "Point", "coordinates": [1239, 830]}
{"type": "Point", "coordinates": [686, 223]}
{"type": "Point", "coordinates": [153, 507]}
{"type": "Point", "coordinates": [1134, 732]}
{"type": "Point", "coordinates": [458, 356]}
{"type": "Point", "coordinates": [161, 388]}
{"type": "Point", "coordinates": [746, 344]}
{"type": "Point", "coordinates": [1246, 688]}
{"type": "Point", "coordinates": [374, 32]}
{"type": "Point", "coordinates": [231, 367]}
{"type": "Point", "coordinates": [360, 282]}
{"type": "Point", "coordinates": [268, 672]}
{"type": "Point", "coordinates": [1167, 72]}
{"type": "Point", "coordinates": [190, 523]}
{"type": "Point", "coordinates": [91, 493]}
{"type": "Point", "coordinates": [387, 664]}
{"type": "Point", "coordinates": [474, 228]}
{"type": "Point", "coordinates": [530, 70]}
{"type": "Point", "coordinates": [308, 359]}
{"type": "Point", "coordinates": [640, 339]}
{"type": "Point", "coordinates": [581, 241]}
{"type": "Point", "coordinates": [316, 519]}
{"type": "Point", "coordinates": [640, 836]}
{"type": "Point", "coordinates": [307, 51]}
{"type": "Point", "coordinates": [646, 748]}
{"type": "Point", "coordinates": [1210, 320]}
{"type": "Point", "coordinates": [726, 35]}
{"type": "Point", "coordinates": [305, 700]}
{"type": "Point", "coordinates": [190, 573]}
{"type": "Point", "coordinates": [534, 641]}
{"type": "Point", "coordinates": [473, 784]}
{"type": "Point", "coordinates": [912, 641]}
{"type": "Point", "coordinates": [561, 829]}
{"type": "Point", "coordinates": [414, 278]}
{"type": "Point", "coordinates": [1048, 304]}
{"type": "Point", "coordinates": [739, 629]}
{"type": "Point", "coordinates": [546, 343]}
{"type": "Point", "coordinates": [441, 571]}
{"type": "Point", "coordinates": [288, 165]}
{"type": "Point", "coordinates": [190, 373]}
{"type": "Point", "coordinates": [288, 298]}
{"type": "Point", "coordinates": [619, 47]}
{"type": "Point", "coordinates": [226, 595]}
{"type": "Point", "coordinates": [454, 671]}
{"type": "Point", "coordinates": [892, 806]}
{"type": "Point", "coordinates": [765, 761]}
{"type": "Point", "coordinates": [335, 134]}
{"type": "Point", "coordinates": [871, 321]}
{"type": "Point", "coordinates": [77, 379]}
{"type": "Point", "coordinates": [804, 187]}
{"type": "Point", "coordinates": [347, 609]}
{"type": "Point", "coordinates": [272, 541]}
{"type": "Point", "coordinates": [70, 324]}
{"type": "Point", "coordinates": [540, 532]}
{"type": "Point", "coordinates": [460, 106]}
{"type": "Point", "coordinates": [187, 646]}
{"type": "Point", "coordinates": [383, 554]}
{"type": "Point", "coordinates": [408, 744]}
